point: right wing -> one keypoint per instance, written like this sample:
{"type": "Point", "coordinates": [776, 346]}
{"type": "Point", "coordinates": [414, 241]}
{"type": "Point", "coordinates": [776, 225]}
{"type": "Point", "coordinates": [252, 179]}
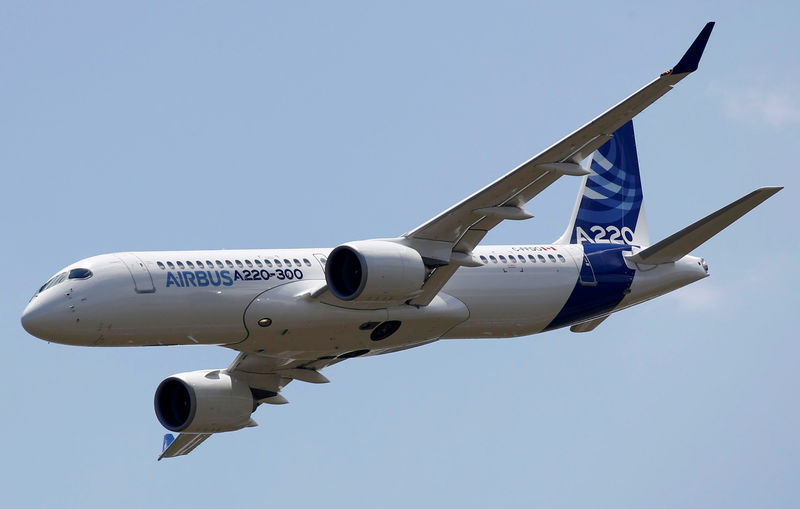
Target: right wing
{"type": "Point", "coordinates": [448, 239]}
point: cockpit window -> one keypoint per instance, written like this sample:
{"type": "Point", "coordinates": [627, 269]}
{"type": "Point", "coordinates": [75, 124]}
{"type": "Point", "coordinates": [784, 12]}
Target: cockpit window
{"type": "Point", "coordinates": [80, 274]}
{"type": "Point", "coordinates": [58, 278]}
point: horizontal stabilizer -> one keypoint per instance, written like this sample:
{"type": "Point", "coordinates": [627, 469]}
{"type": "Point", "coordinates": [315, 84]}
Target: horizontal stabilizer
{"type": "Point", "coordinates": [680, 244]}
{"type": "Point", "coordinates": [184, 444]}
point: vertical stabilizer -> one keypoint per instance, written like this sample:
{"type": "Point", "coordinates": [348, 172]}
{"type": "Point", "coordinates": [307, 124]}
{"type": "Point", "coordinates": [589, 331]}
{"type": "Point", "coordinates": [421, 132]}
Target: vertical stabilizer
{"type": "Point", "coordinates": [610, 209]}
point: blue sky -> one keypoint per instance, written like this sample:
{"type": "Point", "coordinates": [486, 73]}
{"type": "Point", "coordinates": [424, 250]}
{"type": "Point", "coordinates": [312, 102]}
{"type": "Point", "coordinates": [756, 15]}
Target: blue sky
{"type": "Point", "coordinates": [194, 125]}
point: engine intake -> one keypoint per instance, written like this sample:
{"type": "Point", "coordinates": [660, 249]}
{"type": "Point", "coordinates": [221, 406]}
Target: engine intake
{"type": "Point", "coordinates": [207, 401]}
{"type": "Point", "coordinates": [374, 271]}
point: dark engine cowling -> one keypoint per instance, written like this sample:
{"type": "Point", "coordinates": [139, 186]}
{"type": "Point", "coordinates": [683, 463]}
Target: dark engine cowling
{"type": "Point", "coordinates": [374, 271]}
{"type": "Point", "coordinates": [206, 401]}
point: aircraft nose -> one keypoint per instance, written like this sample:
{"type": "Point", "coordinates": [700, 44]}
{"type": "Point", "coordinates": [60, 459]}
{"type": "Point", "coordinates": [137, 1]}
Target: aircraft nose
{"type": "Point", "coordinates": [44, 318]}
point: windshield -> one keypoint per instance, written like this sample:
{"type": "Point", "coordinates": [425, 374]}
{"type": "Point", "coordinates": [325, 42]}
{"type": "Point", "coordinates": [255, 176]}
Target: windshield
{"type": "Point", "coordinates": [79, 273]}
{"type": "Point", "coordinates": [58, 278]}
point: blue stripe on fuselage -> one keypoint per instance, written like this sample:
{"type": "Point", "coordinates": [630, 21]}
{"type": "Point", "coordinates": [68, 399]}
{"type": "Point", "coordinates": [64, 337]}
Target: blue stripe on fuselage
{"type": "Point", "coordinates": [613, 278]}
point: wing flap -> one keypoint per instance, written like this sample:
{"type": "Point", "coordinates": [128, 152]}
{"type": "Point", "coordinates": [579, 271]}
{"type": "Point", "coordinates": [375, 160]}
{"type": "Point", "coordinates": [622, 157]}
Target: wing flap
{"type": "Point", "coordinates": [273, 374]}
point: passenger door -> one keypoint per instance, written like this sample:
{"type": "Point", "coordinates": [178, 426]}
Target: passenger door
{"type": "Point", "coordinates": [142, 280]}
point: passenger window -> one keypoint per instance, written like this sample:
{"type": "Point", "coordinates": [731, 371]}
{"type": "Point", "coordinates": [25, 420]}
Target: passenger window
{"type": "Point", "coordinates": [209, 265]}
{"type": "Point", "coordinates": [248, 263]}
{"type": "Point", "coordinates": [532, 258]}
{"type": "Point", "coordinates": [239, 264]}
{"type": "Point", "coordinates": [297, 262]}
{"type": "Point", "coordinates": [287, 262]}
{"type": "Point", "coordinates": [494, 260]}
{"type": "Point", "coordinates": [562, 259]}
{"type": "Point", "coordinates": [503, 259]}
{"type": "Point", "coordinates": [189, 264]}
{"type": "Point", "coordinates": [257, 262]}
{"type": "Point", "coordinates": [551, 258]}
{"type": "Point", "coordinates": [269, 263]}
{"type": "Point", "coordinates": [170, 265]}
{"type": "Point", "coordinates": [180, 265]}
{"type": "Point", "coordinates": [484, 260]}
{"type": "Point", "coordinates": [278, 263]}
{"type": "Point", "coordinates": [229, 264]}
{"type": "Point", "coordinates": [219, 264]}
{"type": "Point", "coordinates": [541, 259]}
{"type": "Point", "coordinates": [308, 263]}
{"type": "Point", "coordinates": [512, 258]}
{"type": "Point", "coordinates": [323, 260]}
{"type": "Point", "coordinates": [199, 264]}
{"type": "Point", "coordinates": [160, 265]}
{"type": "Point", "coordinates": [521, 258]}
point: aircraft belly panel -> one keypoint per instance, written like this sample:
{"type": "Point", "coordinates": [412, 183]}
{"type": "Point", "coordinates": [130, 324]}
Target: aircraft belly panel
{"type": "Point", "coordinates": [287, 322]}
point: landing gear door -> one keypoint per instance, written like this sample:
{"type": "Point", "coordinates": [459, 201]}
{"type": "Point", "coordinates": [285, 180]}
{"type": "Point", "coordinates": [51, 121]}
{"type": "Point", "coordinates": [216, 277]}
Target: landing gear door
{"type": "Point", "coordinates": [142, 280]}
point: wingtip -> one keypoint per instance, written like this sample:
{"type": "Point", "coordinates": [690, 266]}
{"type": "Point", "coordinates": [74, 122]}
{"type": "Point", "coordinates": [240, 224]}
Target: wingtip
{"type": "Point", "coordinates": [690, 60]}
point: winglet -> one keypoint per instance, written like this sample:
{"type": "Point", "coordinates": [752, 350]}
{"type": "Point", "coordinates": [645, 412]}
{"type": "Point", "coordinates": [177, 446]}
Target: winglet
{"type": "Point", "coordinates": [688, 63]}
{"type": "Point", "coordinates": [168, 439]}
{"type": "Point", "coordinates": [182, 444]}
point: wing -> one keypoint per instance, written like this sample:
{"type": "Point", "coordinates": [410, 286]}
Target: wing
{"type": "Point", "coordinates": [270, 374]}
{"type": "Point", "coordinates": [266, 376]}
{"type": "Point", "coordinates": [457, 230]}
{"type": "Point", "coordinates": [184, 444]}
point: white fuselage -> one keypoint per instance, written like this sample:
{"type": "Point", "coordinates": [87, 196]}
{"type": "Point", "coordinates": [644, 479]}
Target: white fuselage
{"type": "Point", "coordinates": [274, 301]}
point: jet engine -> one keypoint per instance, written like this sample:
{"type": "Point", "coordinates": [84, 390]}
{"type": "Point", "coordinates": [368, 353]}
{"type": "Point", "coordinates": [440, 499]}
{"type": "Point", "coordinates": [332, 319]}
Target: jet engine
{"type": "Point", "coordinates": [374, 271]}
{"type": "Point", "coordinates": [207, 401]}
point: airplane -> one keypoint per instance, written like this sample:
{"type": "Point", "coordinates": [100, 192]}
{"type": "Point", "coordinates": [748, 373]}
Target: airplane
{"type": "Point", "coordinates": [290, 313]}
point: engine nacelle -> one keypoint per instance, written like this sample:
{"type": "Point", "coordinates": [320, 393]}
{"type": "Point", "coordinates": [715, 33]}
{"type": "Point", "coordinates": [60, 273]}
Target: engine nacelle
{"type": "Point", "coordinates": [207, 401]}
{"type": "Point", "coordinates": [374, 271]}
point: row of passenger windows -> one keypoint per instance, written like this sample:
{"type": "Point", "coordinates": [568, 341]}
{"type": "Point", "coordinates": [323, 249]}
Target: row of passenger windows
{"type": "Point", "coordinates": [208, 264]}
{"type": "Point", "coordinates": [521, 259]}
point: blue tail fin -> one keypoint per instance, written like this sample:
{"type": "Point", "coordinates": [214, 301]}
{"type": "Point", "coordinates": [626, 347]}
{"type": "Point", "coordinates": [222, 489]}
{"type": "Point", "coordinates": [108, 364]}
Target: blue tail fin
{"type": "Point", "coordinates": [610, 207]}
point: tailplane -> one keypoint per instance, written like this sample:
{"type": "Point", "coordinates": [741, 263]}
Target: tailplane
{"type": "Point", "coordinates": [682, 243]}
{"type": "Point", "coordinates": [609, 209]}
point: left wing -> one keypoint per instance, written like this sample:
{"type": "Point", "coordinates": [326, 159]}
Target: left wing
{"type": "Point", "coordinates": [448, 239]}
{"type": "Point", "coordinates": [266, 376]}
{"type": "Point", "coordinates": [270, 374]}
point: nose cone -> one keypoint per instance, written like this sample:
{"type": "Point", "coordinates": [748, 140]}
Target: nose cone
{"type": "Point", "coordinates": [45, 318]}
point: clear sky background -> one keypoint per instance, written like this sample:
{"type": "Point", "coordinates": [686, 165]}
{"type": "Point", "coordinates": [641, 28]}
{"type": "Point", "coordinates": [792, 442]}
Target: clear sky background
{"type": "Point", "coordinates": [200, 125]}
